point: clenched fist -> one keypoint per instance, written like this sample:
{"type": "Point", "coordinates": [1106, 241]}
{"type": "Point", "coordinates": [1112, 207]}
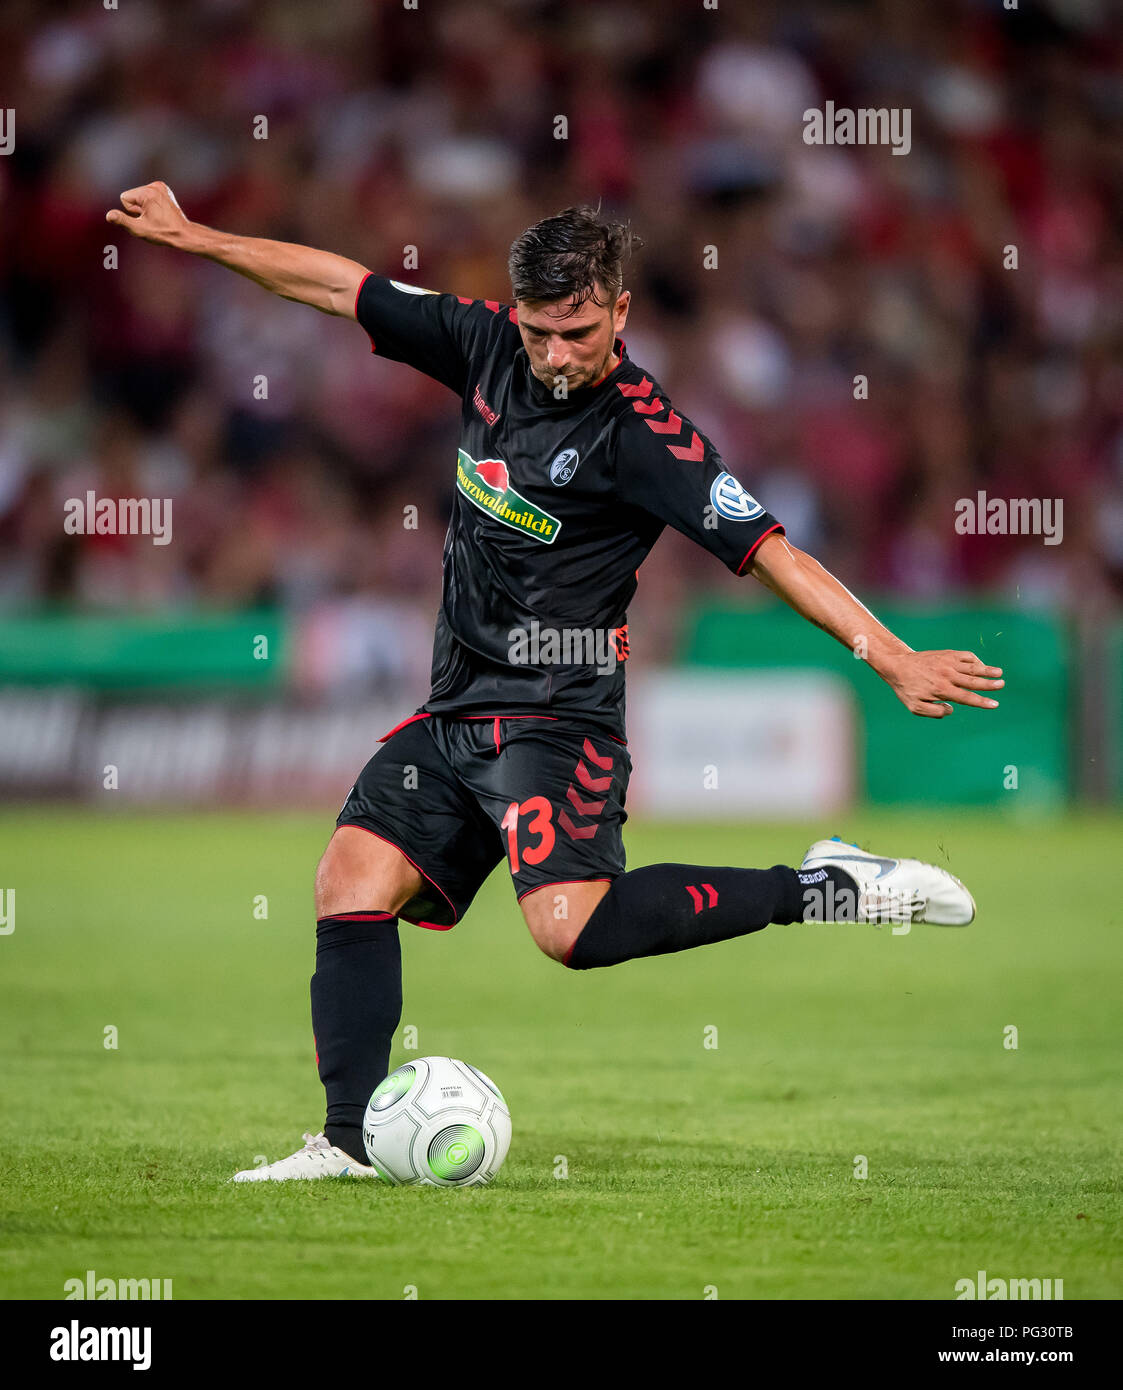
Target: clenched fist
{"type": "Point", "coordinates": [152, 214]}
{"type": "Point", "coordinates": [925, 682]}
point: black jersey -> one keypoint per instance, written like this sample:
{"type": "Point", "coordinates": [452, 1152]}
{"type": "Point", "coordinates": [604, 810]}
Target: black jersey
{"type": "Point", "coordinates": [556, 504]}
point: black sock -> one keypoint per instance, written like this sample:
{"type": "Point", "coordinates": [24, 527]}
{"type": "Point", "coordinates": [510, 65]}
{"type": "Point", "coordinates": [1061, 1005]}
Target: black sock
{"type": "Point", "coordinates": [672, 907]}
{"type": "Point", "coordinates": [356, 1005]}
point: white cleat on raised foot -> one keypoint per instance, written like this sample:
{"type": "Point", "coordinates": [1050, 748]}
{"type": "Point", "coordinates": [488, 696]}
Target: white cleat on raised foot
{"type": "Point", "coordinates": [317, 1159]}
{"type": "Point", "coordinates": [895, 890]}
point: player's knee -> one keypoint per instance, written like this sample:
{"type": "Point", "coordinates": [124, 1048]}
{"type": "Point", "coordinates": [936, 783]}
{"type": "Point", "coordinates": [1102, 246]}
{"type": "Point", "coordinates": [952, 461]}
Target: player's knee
{"type": "Point", "coordinates": [558, 914]}
{"type": "Point", "coordinates": [557, 941]}
{"type": "Point", "coordinates": [359, 872]}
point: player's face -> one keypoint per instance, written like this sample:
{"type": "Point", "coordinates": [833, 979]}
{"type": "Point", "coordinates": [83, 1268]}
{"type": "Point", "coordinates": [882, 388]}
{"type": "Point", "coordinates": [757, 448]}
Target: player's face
{"type": "Point", "coordinates": [576, 347]}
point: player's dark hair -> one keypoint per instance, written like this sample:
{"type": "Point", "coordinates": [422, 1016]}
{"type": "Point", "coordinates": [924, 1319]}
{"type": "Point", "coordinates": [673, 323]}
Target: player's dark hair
{"type": "Point", "coordinates": [571, 254]}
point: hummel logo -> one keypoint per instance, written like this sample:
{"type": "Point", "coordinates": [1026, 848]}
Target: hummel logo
{"type": "Point", "coordinates": [491, 416]}
{"type": "Point", "coordinates": [696, 897]}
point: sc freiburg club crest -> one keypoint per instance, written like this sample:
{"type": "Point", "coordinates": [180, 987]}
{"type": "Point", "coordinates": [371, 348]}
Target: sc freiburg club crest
{"type": "Point", "coordinates": [564, 466]}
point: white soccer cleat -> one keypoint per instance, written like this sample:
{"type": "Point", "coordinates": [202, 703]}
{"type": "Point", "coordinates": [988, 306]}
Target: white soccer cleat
{"type": "Point", "coordinates": [317, 1159]}
{"type": "Point", "coordinates": [895, 890]}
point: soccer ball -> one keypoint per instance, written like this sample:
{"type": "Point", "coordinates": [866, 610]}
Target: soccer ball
{"type": "Point", "coordinates": [437, 1122]}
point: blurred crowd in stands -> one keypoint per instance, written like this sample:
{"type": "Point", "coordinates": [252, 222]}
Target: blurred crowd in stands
{"type": "Point", "coordinates": [392, 127]}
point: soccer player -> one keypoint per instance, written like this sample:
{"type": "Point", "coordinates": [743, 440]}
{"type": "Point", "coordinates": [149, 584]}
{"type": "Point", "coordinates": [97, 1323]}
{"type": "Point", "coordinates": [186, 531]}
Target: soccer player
{"type": "Point", "coordinates": [572, 460]}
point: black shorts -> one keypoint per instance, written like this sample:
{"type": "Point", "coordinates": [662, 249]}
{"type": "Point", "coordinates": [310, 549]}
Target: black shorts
{"type": "Point", "coordinates": [456, 794]}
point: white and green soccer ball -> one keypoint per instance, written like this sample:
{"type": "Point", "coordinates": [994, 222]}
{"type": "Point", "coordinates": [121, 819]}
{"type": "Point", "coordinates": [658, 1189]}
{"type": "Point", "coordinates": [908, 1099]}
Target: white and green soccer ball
{"type": "Point", "coordinates": [437, 1122]}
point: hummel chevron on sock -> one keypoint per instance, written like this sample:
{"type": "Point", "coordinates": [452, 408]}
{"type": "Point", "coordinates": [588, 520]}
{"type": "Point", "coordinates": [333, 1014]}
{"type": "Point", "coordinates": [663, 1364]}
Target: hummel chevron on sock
{"type": "Point", "coordinates": [672, 907]}
{"type": "Point", "coordinates": [356, 1005]}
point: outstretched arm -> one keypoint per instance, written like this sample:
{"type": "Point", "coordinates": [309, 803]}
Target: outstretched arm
{"type": "Point", "coordinates": [326, 281]}
{"type": "Point", "coordinates": [924, 682]}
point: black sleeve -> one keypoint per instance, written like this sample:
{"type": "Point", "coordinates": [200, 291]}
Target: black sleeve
{"type": "Point", "coordinates": [438, 334]}
{"type": "Point", "coordinates": [670, 469]}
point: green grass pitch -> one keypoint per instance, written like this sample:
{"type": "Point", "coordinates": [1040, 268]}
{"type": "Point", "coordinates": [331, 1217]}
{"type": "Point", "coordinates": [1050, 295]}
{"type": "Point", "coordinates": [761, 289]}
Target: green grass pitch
{"type": "Point", "coordinates": [690, 1168]}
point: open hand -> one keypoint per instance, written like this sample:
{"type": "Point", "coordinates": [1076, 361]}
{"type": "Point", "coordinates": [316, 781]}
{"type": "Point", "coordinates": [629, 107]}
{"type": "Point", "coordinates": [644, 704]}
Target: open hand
{"type": "Point", "coordinates": [930, 683]}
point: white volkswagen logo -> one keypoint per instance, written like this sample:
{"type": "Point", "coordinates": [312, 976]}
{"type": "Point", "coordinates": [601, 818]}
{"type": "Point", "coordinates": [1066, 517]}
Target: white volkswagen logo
{"type": "Point", "coordinates": [731, 501]}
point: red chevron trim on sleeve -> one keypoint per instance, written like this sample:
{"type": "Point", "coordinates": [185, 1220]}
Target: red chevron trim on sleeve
{"type": "Point", "coordinates": [648, 408]}
{"type": "Point", "coordinates": [694, 453]}
{"type": "Point", "coordinates": [671, 425]}
{"type": "Point", "coordinates": [494, 305]}
{"type": "Point", "coordinates": [643, 389]}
